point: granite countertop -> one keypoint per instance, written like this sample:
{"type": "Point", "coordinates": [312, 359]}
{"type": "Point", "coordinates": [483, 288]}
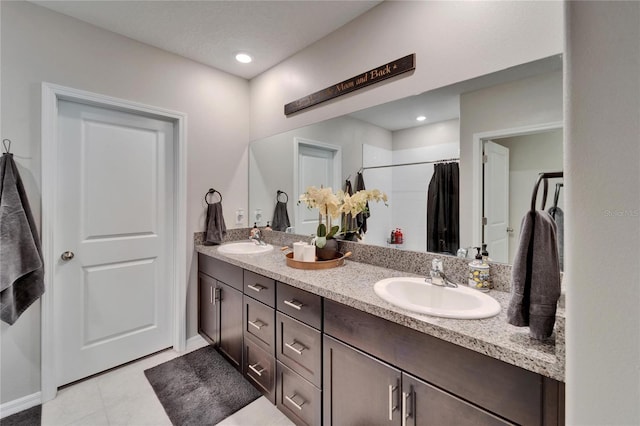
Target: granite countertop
{"type": "Point", "coordinates": [352, 285]}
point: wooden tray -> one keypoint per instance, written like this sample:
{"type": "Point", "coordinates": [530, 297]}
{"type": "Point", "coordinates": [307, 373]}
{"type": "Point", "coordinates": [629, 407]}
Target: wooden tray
{"type": "Point", "coordinates": [318, 264]}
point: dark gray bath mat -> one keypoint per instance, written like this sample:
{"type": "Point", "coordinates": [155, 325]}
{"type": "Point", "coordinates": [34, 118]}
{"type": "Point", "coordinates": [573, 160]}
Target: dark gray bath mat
{"type": "Point", "coordinates": [28, 417]}
{"type": "Point", "coordinates": [200, 388]}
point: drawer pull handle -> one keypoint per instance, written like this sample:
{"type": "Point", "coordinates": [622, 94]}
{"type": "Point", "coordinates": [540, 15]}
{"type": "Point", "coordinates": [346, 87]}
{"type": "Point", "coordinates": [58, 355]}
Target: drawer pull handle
{"type": "Point", "coordinates": [294, 304]}
{"type": "Point", "coordinates": [392, 407]}
{"type": "Point", "coordinates": [406, 396]}
{"type": "Point", "coordinates": [256, 287]}
{"type": "Point", "coordinates": [294, 403]}
{"type": "Point", "coordinates": [257, 324]}
{"type": "Point", "coordinates": [255, 370]}
{"type": "Point", "coordinates": [297, 350]}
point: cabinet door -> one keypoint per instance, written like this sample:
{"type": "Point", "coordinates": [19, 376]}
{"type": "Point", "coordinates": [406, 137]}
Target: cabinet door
{"type": "Point", "coordinates": [358, 389]}
{"type": "Point", "coordinates": [230, 311]}
{"type": "Point", "coordinates": [207, 316]}
{"type": "Point", "coordinates": [423, 404]}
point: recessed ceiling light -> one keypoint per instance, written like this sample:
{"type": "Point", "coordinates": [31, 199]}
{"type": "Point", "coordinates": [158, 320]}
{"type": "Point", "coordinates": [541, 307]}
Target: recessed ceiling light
{"type": "Point", "coordinates": [244, 58]}
{"type": "Point", "coordinates": [421, 118]}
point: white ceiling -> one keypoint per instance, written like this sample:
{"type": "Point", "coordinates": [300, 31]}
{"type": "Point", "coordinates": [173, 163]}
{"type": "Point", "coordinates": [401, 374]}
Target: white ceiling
{"type": "Point", "coordinates": [212, 32]}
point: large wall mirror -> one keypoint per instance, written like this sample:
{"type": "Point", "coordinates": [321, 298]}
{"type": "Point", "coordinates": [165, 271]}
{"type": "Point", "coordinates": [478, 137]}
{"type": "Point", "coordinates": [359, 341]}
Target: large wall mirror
{"type": "Point", "coordinates": [497, 132]}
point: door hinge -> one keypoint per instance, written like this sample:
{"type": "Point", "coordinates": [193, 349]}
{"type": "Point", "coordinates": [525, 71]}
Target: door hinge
{"type": "Point", "coordinates": [484, 221]}
{"type": "Point", "coordinates": [485, 159]}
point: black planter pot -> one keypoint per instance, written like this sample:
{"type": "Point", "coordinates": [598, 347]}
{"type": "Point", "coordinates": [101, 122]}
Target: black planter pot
{"type": "Point", "coordinates": [329, 251]}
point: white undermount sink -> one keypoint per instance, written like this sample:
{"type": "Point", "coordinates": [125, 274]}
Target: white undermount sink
{"type": "Point", "coordinates": [418, 295]}
{"type": "Point", "coordinates": [244, 247]}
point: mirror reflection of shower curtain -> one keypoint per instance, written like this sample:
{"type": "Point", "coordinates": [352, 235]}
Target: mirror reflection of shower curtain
{"type": "Point", "coordinates": [443, 212]}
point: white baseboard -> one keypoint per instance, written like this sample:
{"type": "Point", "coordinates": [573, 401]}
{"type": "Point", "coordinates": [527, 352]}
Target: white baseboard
{"type": "Point", "coordinates": [20, 404]}
{"type": "Point", "coordinates": [195, 342]}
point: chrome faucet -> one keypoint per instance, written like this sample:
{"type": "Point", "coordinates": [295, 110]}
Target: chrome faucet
{"type": "Point", "coordinates": [257, 238]}
{"type": "Point", "coordinates": [437, 275]}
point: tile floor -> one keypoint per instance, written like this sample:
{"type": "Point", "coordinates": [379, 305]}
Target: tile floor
{"type": "Point", "coordinates": [125, 397]}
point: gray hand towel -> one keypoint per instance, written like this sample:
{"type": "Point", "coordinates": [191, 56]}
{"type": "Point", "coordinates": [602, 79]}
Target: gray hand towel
{"type": "Point", "coordinates": [21, 265]}
{"type": "Point", "coordinates": [280, 217]}
{"type": "Point", "coordinates": [535, 276]}
{"type": "Point", "coordinates": [558, 216]}
{"type": "Point", "coordinates": [215, 229]}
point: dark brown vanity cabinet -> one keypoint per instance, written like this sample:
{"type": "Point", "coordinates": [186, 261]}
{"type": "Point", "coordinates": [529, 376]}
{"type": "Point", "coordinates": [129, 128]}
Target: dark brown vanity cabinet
{"type": "Point", "coordinates": [220, 306]}
{"type": "Point", "coordinates": [322, 362]}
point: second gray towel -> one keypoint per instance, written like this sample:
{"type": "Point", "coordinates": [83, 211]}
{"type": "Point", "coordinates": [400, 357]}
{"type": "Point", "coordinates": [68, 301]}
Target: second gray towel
{"type": "Point", "coordinates": [535, 276]}
{"type": "Point", "coordinates": [215, 229]}
{"type": "Point", "coordinates": [280, 217]}
{"type": "Point", "coordinates": [558, 216]}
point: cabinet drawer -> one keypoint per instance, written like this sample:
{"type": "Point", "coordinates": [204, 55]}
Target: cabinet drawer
{"type": "Point", "coordinates": [222, 271]}
{"type": "Point", "coordinates": [299, 347]}
{"type": "Point", "coordinates": [260, 288]}
{"type": "Point", "coordinates": [259, 324]}
{"type": "Point", "coordinates": [300, 304]}
{"type": "Point", "coordinates": [296, 398]}
{"type": "Point", "coordinates": [260, 369]}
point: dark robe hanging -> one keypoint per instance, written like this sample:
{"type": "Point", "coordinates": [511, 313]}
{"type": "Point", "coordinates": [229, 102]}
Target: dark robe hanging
{"type": "Point", "coordinates": [443, 209]}
{"type": "Point", "coordinates": [361, 218]}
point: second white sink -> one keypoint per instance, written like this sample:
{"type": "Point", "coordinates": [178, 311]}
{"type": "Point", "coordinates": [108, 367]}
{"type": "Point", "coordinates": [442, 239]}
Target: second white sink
{"type": "Point", "coordinates": [244, 247]}
{"type": "Point", "coordinates": [416, 295]}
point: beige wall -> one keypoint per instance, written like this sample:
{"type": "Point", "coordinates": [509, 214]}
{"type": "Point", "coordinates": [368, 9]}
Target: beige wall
{"type": "Point", "coordinates": [602, 178]}
{"type": "Point", "coordinates": [40, 45]}
{"type": "Point", "coordinates": [453, 41]}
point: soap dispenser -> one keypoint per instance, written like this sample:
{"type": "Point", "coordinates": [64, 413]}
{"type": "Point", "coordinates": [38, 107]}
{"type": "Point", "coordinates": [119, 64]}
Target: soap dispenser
{"type": "Point", "coordinates": [254, 230]}
{"type": "Point", "coordinates": [479, 277]}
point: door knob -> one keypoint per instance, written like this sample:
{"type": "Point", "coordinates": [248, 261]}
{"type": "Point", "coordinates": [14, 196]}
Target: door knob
{"type": "Point", "coordinates": [67, 255]}
{"type": "Point", "coordinates": [509, 229]}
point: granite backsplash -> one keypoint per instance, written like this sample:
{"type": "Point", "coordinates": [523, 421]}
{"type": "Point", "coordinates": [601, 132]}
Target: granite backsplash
{"type": "Point", "coordinates": [457, 269]}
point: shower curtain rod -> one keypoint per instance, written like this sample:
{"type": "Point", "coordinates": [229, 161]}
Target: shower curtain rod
{"type": "Point", "coordinates": [410, 164]}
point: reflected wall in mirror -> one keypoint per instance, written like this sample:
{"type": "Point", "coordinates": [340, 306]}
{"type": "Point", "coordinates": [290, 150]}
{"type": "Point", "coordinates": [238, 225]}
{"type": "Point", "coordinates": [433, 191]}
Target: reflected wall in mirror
{"type": "Point", "coordinates": [518, 109]}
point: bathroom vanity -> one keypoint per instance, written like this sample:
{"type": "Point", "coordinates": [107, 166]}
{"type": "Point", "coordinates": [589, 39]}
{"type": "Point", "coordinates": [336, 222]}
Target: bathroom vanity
{"type": "Point", "coordinates": [326, 350]}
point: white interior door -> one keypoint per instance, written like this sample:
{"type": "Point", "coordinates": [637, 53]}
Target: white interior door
{"type": "Point", "coordinates": [113, 299]}
{"type": "Point", "coordinates": [496, 201]}
{"type": "Point", "coordinates": [317, 166]}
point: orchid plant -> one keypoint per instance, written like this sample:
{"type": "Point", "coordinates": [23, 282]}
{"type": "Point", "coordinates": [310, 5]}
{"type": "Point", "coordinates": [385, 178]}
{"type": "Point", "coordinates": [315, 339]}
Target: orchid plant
{"type": "Point", "coordinates": [331, 206]}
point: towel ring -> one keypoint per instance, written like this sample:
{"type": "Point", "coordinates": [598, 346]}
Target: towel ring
{"type": "Point", "coordinates": [212, 191]}
{"type": "Point", "coordinates": [282, 193]}
{"type": "Point", "coordinates": [6, 143]}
